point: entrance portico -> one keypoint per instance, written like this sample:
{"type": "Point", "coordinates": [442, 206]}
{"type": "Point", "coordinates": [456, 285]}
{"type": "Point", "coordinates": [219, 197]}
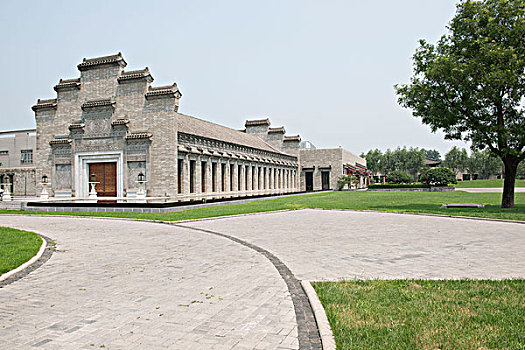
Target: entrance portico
{"type": "Point", "coordinates": [94, 161]}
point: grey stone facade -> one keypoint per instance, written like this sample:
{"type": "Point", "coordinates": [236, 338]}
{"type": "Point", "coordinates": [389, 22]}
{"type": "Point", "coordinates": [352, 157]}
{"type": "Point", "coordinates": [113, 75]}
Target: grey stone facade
{"type": "Point", "coordinates": [335, 162]}
{"type": "Point", "coordinates": [110, 115]}
{"type": "Point", "coordinates": [332, 162]}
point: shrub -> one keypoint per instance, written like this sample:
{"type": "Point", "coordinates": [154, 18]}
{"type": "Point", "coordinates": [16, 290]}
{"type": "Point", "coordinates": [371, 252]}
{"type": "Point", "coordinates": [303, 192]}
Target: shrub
{"type": "Point", "coordinates": [346, 180]}
{"type": "Point", "coordinates": [438, 177]}
{"type": "Point", "coordinates": [398, 177]}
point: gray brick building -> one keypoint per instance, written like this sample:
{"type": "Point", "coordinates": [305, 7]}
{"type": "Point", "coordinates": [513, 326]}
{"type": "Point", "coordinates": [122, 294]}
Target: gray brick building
{"type": "Point", "coordinates": [16, 160]}
{"type": "Point", "coordinates": [111, 125]}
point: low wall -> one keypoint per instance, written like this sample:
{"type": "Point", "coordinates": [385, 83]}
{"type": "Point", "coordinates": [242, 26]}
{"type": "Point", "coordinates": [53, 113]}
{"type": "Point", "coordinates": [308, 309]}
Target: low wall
{"type": "Point", "coordinates": [24, 182]}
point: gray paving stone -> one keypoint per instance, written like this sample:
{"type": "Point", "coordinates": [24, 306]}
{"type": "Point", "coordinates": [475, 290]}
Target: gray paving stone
{"type": "Point", "coordinates": [332, 245]}
{"type": "Point", "coordinates": [135, 285]}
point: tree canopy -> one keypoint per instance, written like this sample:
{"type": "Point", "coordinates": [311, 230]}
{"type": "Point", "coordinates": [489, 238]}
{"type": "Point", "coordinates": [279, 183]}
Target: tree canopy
{"type": "Point", "coordinates": [410, 160]}
{"type": "Point", "coordinates": [432, 154]}
{"type": "Point", "coordinates": [471, 83]}
{"type": "Point", "coordinates": [457, 159]}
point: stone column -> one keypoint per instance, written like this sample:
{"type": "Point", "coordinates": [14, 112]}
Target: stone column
{"type": "Point", "coordinates": [219, 176]}
{"type": "Point", "coordinates": [186, 175]}
{"type": "Point", "coordinates": [265, 178]}
{"type": "Point", "coordinates": [242, 188]}
{"type": "Point", "coordinates": [248, 182]}
{"type": "Point", "coordinates": [198, 175]}
{"type": "Point", "coordinates": [235, 184]}
{"type": "Point", "coordinates": [208, 176]}
{"type": "Point", "coordinates": [227, 188]}
{"type": "Point", "coordinates": [255, 180]}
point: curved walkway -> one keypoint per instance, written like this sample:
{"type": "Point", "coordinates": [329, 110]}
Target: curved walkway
{"type": "Point", "coordinates": [336, 244]}
{"type": "Point", "coordinates": [128, 284]}
{"type": "Point", "coordinates": [135, 285]}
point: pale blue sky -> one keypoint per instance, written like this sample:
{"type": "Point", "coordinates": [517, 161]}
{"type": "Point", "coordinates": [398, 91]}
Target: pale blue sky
{"type": "Point", "coordinates": [324, 69]}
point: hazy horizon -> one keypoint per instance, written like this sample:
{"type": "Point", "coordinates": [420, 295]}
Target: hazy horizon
{"type": "Point", "coordinates": [325, 71]}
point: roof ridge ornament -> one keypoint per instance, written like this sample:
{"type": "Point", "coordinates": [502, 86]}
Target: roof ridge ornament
{"type": "Point", "coordinates": [138, 135]}
{"type": "Point", "coordinates": [50, 103]}
{"type": "Point", "coordinates": [135, 74]}
{"type": "Point", "coordinates": [88, 63]}
{"type": "Point", "coordinates": [163, 91]}
{"type": "Point", "coordinates": [279, 130]}
{"type": "Point", "coordinates": [256, 122]}
{"type": "Point", "coordinates": [67, 83]}
{"type": "Point", "coordinates": [292, 138]}
{"type": "Point", "coordinates": [99, 103]}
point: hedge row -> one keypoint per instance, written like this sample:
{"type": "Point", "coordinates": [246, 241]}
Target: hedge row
{"type": "Point", "coordinates": [398, 186]}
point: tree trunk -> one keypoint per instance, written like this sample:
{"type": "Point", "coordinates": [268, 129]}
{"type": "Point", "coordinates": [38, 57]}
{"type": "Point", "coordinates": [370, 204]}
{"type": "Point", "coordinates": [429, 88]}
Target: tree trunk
{"type": "Point", "coordinates": [511, 166]}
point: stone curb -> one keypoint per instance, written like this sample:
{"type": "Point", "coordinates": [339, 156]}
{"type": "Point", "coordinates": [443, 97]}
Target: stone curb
{"type": "Point", "coordinates": [327, 337]}
{"type": "Point", "coordinates": [27, 263]}
{"type": "Point", "coordinates": [307, 328]}
{"type": "Point", "coordinates": [172, 222]}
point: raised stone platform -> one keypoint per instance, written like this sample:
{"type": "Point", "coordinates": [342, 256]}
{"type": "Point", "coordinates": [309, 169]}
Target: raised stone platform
{"type": "Point", "coordinates": [461, 205]}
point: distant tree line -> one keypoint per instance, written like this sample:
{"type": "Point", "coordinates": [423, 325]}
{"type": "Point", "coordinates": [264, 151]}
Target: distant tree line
{"type": "Point", "coordinates": [412, 161]}
{"type": "Point", "coordinates": [483, 163]}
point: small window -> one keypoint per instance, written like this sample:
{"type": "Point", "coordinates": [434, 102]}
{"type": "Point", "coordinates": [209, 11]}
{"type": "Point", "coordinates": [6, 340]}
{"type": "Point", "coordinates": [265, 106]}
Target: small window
{"type": "Point", "coordinates": [26, 157]}
{"type": "Point", "coordinates": [4, 153]}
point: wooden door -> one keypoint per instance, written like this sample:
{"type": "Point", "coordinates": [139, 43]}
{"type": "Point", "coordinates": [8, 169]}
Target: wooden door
{"type": "Point", "coordinates": [106, 175]}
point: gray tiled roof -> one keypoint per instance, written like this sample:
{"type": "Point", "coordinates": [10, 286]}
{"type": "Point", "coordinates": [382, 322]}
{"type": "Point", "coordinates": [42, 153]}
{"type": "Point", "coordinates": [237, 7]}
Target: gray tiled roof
{"type": "Point", "coordinates": [257, 122]}
{"type": "Point", "coordinates": [90, 62]}
{"type": "Point", "coordinates": [98, 103]}
{"type": "Point", "coordinates": [199, 127]}
{"type": "Point", "coordinates": [279, 130]}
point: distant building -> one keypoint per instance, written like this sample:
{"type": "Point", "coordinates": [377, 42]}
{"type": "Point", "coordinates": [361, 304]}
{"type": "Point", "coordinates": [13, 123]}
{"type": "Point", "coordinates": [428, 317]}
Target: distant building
{"type": "Point", "coordinates": [307, 145]}
{"type": "Point", "coordinates": [16, 158]}
{"type": "Point", "coordinates": [431, 163]}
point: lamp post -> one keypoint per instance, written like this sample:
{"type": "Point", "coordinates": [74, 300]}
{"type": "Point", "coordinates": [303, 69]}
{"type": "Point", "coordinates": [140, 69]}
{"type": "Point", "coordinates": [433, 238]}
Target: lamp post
{"type": "Point", "coordinates": [92, 183]}
{"type": "Point", "coordinates": [141, 192]}
{"type": "Point", "coordinates": [44, 183]}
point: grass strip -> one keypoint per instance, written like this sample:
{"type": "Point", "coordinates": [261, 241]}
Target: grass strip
{"type": "Point", "coordinates": [490, 183]}
{"type": "Point", "coordinates": [17, 247]}
{"type": "Point", "coordinates": [412, 202]}
{"type": "Point", "coordinates": [420, 314]}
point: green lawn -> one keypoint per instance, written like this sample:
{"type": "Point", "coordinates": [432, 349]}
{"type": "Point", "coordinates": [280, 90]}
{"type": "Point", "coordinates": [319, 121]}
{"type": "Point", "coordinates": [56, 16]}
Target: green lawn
{"type": "Point", "coordinates": [414, 314]}
{"type": "Point", "coordinates": [17, 247]}
{"type": "Point", "coordinates": [414, 202]}
{"type": "Point", "coordinates": [486, 183]}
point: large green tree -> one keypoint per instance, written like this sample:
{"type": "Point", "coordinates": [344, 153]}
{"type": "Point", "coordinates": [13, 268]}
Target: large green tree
{"type": "Point", "coordinates": [484, 163]}
{"type": "Point", "coordinates": [432, 154]}
{"type": "Point", "coordinates": [471, 84]}
{"type": "Point", "coordinates": [457, 159]}
{"type": "Point", "coordinates": [373, 159]}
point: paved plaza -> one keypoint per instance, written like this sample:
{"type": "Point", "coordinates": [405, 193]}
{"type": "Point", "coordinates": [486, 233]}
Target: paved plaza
{"type": "Point", "coordinates": [125, 284]}
{"type": "Point", "coordinates": [134, 285]}
{"type": "Point", "coordinates": [333, 244]}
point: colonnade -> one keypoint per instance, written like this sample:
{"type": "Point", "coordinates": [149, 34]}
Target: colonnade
{"type": "Point", "coordinates": [209, 177]}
